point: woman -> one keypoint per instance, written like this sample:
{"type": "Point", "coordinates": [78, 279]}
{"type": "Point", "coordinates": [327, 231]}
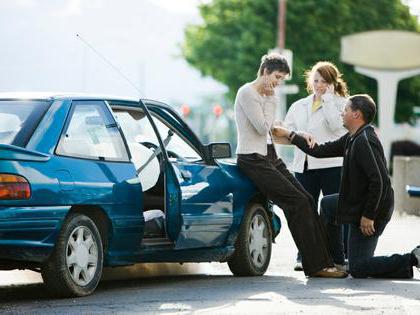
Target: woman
{"type": "Point", "coordinates": [255, 107]}
{"type": "Point", "coordinates": [319, 115]}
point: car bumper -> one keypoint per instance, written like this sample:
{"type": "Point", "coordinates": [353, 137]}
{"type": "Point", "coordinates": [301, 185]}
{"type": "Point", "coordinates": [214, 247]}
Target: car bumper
{"type": "Point", "coordinates": [29, 234]}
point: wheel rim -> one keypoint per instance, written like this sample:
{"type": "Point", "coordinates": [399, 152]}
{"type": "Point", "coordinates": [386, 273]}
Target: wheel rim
{"type": "Point", "coordinates": [258, 241]}
{"type": "Point", "coordinates": [82, 255]}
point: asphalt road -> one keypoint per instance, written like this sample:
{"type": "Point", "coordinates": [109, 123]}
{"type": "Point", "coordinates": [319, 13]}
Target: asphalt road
{"type": "Point", "coordinates": [211, 289]}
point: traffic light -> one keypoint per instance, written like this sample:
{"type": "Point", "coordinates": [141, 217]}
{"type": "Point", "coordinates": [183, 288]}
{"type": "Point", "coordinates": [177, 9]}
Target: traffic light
{"type": "Point", "coordinates": [217, 110]}
{"type": "Point", "coordinates": [185, 110]}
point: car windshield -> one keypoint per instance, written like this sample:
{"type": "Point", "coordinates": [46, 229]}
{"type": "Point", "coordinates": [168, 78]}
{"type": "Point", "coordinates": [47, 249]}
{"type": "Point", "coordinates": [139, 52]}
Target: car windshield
{"type": "Point", "coordinates": [18, 120]}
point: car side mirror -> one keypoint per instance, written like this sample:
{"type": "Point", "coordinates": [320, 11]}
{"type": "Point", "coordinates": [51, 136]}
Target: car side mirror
{"type": "Point", "coordinates": [219, 150]}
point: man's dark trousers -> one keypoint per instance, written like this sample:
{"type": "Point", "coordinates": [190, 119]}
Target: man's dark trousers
{"type": "Point", "coordinates": [361, 248]}
{"type": "Point", "coordinates": [272, 179]}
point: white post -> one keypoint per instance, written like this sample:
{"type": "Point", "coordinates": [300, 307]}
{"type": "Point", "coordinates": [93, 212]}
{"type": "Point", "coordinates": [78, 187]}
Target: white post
{"type": "Point", "coordinates": [387, 97]}
{"type": "Point", "coordinates": [281, 114]}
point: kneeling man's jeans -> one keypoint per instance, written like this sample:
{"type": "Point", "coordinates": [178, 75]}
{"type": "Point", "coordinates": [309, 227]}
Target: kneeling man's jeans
{"type": "Point", "coordinates": [361, 248]}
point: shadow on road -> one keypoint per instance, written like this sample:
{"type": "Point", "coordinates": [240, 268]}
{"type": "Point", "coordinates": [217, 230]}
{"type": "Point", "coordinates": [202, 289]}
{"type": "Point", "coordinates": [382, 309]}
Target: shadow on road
{"type": "Point", "coordinates": [198, 292]}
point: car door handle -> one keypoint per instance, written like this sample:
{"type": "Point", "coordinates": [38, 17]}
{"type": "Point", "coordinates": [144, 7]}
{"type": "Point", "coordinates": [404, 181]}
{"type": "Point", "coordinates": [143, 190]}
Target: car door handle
{"type": "Point", "coordinates": [186, 175]}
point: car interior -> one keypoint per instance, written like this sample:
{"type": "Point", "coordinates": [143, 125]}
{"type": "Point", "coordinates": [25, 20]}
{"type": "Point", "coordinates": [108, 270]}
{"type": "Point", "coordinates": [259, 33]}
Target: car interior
{"type": "Point", "coordinates": [9, 127]}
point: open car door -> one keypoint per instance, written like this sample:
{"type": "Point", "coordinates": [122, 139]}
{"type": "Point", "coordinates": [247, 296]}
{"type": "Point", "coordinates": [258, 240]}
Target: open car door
{"type": "Point", "coordinates": [199, 196]}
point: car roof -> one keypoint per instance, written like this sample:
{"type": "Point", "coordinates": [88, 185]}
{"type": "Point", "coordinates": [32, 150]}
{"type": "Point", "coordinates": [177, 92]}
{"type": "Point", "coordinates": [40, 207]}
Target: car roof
{"type": "Point", "coordinates": [52, 96]}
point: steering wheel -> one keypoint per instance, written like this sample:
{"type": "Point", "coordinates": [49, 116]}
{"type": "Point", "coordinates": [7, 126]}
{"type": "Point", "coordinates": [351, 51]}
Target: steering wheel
{"type": "Point", "coordinates": [172, 154]}
{"type": "Point", "coordinates": [150, 145]}
{"type": "Point", "coordinates": [154, 147]}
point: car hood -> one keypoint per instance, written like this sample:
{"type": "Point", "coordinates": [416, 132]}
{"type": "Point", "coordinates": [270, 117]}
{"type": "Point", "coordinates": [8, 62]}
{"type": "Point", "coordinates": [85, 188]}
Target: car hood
{"type": "Point", "coordinates": [227, 161]}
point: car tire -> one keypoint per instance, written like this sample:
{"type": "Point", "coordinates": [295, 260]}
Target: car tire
{"type": "Point", "coordinates": [253, 246]}
{"type": "Point", "coordinates": [75, 266]}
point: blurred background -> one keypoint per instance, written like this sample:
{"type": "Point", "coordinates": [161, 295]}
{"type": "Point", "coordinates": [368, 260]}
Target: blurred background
{"type": "Point", "coordinates": [190, 54]}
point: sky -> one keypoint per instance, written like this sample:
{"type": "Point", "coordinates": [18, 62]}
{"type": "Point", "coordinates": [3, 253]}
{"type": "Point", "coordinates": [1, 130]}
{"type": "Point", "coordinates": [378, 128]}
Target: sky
{"type": "Point", "coordinates": [41, 52]}
{"type": "Point", "coordinates": [414, 6]}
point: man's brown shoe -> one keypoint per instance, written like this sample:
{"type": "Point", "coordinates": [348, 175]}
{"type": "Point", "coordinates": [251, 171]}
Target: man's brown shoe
{"type": "Point", "coordinates": [329, 273]}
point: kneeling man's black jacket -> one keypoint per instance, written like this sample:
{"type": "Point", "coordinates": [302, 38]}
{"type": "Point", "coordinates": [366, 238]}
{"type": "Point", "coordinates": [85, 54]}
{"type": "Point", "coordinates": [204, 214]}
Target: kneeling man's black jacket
{"type": "Point", "coordinates": [365, 188]}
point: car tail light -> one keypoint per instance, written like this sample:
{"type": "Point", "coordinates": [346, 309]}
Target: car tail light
{"type": "Point", "coordinates": [13, 187]}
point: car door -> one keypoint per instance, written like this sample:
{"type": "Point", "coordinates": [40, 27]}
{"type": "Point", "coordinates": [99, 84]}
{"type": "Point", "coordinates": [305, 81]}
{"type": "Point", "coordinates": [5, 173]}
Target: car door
{"type": "Point", "coordinates": [205, 204]}
{"type": "Point", "coordinates": [95, 169]}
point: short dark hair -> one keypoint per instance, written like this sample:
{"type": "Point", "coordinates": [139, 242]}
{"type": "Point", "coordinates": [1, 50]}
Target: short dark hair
{"type": "Point", "coordinates": [273, 62]}
{"type": "Point", "coordinates": [365, 104]}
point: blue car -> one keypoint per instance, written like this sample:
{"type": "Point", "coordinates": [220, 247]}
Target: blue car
{"type": "Point", "coordinates": [87, 182]}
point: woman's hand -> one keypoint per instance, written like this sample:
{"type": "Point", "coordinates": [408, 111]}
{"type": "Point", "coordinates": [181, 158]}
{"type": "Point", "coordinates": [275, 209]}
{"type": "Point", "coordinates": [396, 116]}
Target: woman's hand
{"type": "Point", "coordinates": [330, 89]}
{"type": "Point", "coordinates": [267, 86]}
{"type": "Point", "coordinates": [279, 131]}
{"type": "Point", "coordinates": [329, 93]}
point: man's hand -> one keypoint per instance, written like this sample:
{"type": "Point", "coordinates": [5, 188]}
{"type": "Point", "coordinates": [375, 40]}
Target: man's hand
{"type": "Point", "coordinates": [310, 139]}
{"type": "Point", "coordinates": [367, 226]}
{"type": "Point", "coordinates": [281, 132]}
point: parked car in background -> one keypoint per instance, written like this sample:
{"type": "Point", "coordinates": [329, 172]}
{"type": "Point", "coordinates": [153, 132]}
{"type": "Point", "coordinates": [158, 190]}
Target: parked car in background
{"type": "Point", "coordinates": [413, 191]}
{"type": "Point", "coordinates": [87, 182]}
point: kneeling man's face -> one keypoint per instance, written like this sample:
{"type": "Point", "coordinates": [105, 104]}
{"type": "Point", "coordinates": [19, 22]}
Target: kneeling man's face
{"type": "Point", "coordinates": [347, 115]}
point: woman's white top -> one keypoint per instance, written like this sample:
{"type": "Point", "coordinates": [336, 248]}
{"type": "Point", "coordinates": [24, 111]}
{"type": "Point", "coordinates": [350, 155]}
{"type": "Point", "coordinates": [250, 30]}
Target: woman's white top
{"type": "Point", "coordinates": [325, 124]}
{"type": "Point", "coordinates": [254, 117]}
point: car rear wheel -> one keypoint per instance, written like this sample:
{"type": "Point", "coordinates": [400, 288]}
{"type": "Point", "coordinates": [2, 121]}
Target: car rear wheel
{"type": "Point", "coordinates": [75, 266]}
{"type": "Point", "coordinates": [253, 246]}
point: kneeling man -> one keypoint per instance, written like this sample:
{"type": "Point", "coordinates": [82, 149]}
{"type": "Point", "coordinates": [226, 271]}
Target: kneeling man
{"type": "Point", "coordinates": [365, 199]}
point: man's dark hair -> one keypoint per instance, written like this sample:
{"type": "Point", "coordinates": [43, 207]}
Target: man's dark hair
{"type": "Point", "coordinates": [365, 104]}
{"type": "Point", "coordinates": [273, 62]}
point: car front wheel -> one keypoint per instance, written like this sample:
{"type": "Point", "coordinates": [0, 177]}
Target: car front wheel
{"type": "Point", "coordinates": [75, 266]}
{"type": "Point", "coordinates": [253, 246]}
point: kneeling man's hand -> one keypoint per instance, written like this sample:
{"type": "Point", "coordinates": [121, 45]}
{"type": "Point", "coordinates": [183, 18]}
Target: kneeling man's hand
{"type": "Point", "coordinates": [310, 139]}
{"type": "Point", "coordinates": [367, 226]}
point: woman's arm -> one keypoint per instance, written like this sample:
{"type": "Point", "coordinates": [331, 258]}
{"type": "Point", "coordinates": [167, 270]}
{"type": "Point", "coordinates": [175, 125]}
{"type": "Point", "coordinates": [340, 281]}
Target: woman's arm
{"type": "Point", "coordinates": [252, 108]}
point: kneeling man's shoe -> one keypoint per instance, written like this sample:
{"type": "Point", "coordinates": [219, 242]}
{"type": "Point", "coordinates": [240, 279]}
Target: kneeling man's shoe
{"type": "Point", "coordinates": [331, 272]}
{"type": "Point", "coordinates": [416, 253]}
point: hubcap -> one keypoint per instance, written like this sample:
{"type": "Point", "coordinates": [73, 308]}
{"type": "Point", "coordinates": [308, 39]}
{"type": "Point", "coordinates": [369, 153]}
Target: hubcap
{"type": "Point", "coordinates": [258, 242]}
{"type": "Point", "coordinates": [82, 255]}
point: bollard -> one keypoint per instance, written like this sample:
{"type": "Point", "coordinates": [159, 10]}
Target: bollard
{"type": "Point", "coordinates": [406, 171]}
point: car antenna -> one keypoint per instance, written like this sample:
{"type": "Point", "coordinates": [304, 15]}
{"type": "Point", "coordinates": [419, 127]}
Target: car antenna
{"type": "Point", "coordinates": [110, 64]}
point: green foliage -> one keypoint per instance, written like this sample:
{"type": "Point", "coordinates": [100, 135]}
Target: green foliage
{"type": "Point", "coordinates": [236, 33]}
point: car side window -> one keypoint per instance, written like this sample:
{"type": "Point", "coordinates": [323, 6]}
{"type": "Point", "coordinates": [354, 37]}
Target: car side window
{"type": "Point", "coordinates": [92, 133]}
{"type": "Point", "coordinates": [177, 148]}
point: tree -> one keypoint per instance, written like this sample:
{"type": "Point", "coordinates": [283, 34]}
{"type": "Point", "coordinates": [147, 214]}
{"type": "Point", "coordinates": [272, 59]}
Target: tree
{"type": "Point", "coordinates": [235, 33]}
